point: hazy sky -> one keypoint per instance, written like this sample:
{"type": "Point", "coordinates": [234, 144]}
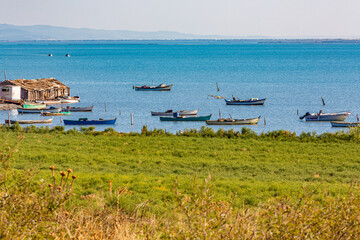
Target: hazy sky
{"type": "Point", "coordinates": [336, 18]}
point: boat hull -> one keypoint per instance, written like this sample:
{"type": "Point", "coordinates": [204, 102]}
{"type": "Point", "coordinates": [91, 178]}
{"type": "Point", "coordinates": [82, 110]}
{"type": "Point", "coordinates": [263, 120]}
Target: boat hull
{"type": "Point", "coordinates": [40, 121]}
{"type": "Point", "coordinates": [181, 113]}
{"type": "Point", "coordinates": [344, 124]}
{"type": "Point", "coordinates": [246, 102]}
{"type": "Point", "coordinates": [32, 106]}
{"type": "Point", "coordinates": [90, 122]}
{"type": "Point", "coordinates": [79, 109]}
{"type": "Point", "coordinates": [69, 101]}
{"type": "Point", "coordinates": [49, 101]}
{"type": "Point", "coordinates": [153, 88]}
{"type": "Point", "coordinates": [55, 113]}
{"type": "Point", "coordinates": [327, 117]}
{"type": "Point", "coordinates": [37, 110]}
{"type": "Point", "coordinates": [186, 119]}
{"type": "Point", "coordinates": [250, 121]}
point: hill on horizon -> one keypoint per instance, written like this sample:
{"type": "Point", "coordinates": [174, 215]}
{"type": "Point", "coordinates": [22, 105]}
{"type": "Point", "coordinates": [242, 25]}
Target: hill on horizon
{"type": "Point", "coordinates": [10, 32]}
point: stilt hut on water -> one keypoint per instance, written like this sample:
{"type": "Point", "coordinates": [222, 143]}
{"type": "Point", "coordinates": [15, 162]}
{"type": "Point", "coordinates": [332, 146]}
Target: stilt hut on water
{"type": "Point", "coordinates": [39, 89]}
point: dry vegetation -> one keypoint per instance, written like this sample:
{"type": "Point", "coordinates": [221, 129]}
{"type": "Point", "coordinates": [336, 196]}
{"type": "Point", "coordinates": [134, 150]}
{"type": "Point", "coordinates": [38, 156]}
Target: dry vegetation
{"type": "Point", "coordinates": [48, 209]}
{"type": "Point", "coordinates": [31, 209]}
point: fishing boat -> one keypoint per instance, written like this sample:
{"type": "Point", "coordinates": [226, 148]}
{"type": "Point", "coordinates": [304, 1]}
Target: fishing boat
{"type": "Point", "coordinates": [69, 99]}
{"type": "Point", "coordinates": [79, 109]}
{"type": "Point", "coordinates": [230, 121]}
{"type": "Point", "coordinates": [55, 101]}
{"type": "Point", "coordinates": [33, 105]}
{"type": "Point", "coordinates": [85, 121]}
{"type": "Point", "coordinates": [184, 118]}
{"type": "Point", "coordinates": [55, 113]}
{"type": "Point", "coordinates": [39, 121]}
{"type": "Point", "coordinates": [38, 110]}
{"type": "Point", "coordinates": [320, 116]}
{"type": "Point", "coordinates": [171, 113]}
{"type": "Point", "coordinates": [161, 87]}
{"type": "Point", "coordinates": [344, 124]}
{"type": "Point", "coordinates": [251, 101]}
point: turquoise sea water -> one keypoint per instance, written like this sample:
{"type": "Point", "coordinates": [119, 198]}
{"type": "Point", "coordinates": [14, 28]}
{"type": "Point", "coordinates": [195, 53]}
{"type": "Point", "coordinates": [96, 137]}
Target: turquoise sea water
{"type": "Point", "coordinates": [290, 75]}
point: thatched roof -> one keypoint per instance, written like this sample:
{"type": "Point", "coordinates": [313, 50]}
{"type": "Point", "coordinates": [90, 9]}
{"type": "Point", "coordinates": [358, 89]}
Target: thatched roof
{"type": "Point", "coordinates": [37, 84]}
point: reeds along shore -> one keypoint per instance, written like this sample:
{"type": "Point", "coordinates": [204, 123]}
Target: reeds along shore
{"type": "Point", "coordinates": [350, 134]}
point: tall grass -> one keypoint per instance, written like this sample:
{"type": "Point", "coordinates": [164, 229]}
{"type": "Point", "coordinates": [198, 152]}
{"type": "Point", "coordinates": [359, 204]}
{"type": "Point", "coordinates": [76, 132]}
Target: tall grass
{"type": "Point", "coordinates": [29, 209]}
{"type": "Point", "coordinates": [39, 201]}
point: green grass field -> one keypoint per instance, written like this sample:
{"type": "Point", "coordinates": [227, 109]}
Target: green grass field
{"type": "Point", "coordinates": [256, 169]}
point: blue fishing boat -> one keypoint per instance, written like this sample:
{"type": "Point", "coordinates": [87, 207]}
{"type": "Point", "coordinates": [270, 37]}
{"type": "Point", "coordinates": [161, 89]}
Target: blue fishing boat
{"type": "Point", "coordinates": [85, 121]}
{"type": "Point", "coordinates": [251, 101]}
{"type": "Point", "coordinates": [183, 118]}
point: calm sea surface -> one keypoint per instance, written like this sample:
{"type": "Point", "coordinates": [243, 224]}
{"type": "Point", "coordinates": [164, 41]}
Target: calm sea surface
{"type": "Point", "coordinates": [290, 76]}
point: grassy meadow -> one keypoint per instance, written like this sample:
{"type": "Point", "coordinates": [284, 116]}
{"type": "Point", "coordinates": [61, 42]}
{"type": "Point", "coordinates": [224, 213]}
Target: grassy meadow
{"type": "Point", "coordinates": [245, 170]}
{"type": "Point", "coordinates": [254, 169]}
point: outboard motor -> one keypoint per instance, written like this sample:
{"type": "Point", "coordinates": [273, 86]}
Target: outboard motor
{"type": "Point", "coordinates": [306, 114]}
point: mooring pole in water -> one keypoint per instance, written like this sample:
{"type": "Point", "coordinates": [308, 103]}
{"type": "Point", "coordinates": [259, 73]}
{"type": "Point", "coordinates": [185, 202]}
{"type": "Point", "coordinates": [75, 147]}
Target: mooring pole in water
{"type": "Point", "coordinates": [9, 119]}
{"type": "Point", "coordinates": [60, 120]}
{"type": "Point", "coordinates": [323, 100]}
{"type": "Point", "coordinates": [357, 117]}
{"type": "Point", "coordinates": [105, 107]}
{"type": "Point", "coordinates": [264, 121]}
{"type": "Point", "coordinates": [298, 112]}
{"type": "Point", "coordinates": [120, 112]}
{"type": "Point", "coordinates": [132, 119]}
{"type": "Point", "coordinates": [217, 85]}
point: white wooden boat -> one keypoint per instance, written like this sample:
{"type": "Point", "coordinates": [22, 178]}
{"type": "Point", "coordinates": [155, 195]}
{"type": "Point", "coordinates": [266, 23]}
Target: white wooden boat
{"type": "Point", "coordinates": [344, 124]}
{"type": "Point", "coordinates": [251, 101]}
{"type": "Point", "coordinates": [69, 100]}
{"type": "Point", "coordinates": [55, 101]}
{"type": "Point", "coordinates": [171, 113]}
{"type": "Point", "coordinates": [320, 116]}
{"type": "Point", "coordinates": [39, 121]}
{"type": "Point", "coordinates": [230, 121]}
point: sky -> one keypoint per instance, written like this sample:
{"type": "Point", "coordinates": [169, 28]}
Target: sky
{"type": "Point", "coordinates": [275, 18]}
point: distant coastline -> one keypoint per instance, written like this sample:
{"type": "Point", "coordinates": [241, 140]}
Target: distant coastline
{"type": "Point", "coordinates": [194, 41]}
{"type": "Point", "coordinates": [14, 33]}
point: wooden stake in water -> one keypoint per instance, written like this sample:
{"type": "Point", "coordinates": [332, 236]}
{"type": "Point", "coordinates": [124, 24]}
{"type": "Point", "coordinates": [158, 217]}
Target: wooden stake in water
{"type": "Point", "coordinates": [132, 120]}
{"type": "Point", "coordinates": [264, 121]}
{"type": "Point", "coordinates": [298, 112]}
{"type": "Point", "coordinates": [217, 85]}
{"type": "Point", "coordinates": [60, 120]}
{"type": "Point", "coordinates": [105, 107]}
{"type": "Point", "coordinates": [219, 113]}
{"type": "Point", "coordinates": [120, 112]}
{"type": "Point", "coordinates": [323, 101]}
{"type": "Point", "coordinates": [9, 119]}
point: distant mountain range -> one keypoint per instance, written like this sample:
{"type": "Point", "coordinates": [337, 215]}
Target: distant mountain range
{"type": "Point", "coordinates": [10, 32]}
{"type": "Point", "coordinates": [43, 32]}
